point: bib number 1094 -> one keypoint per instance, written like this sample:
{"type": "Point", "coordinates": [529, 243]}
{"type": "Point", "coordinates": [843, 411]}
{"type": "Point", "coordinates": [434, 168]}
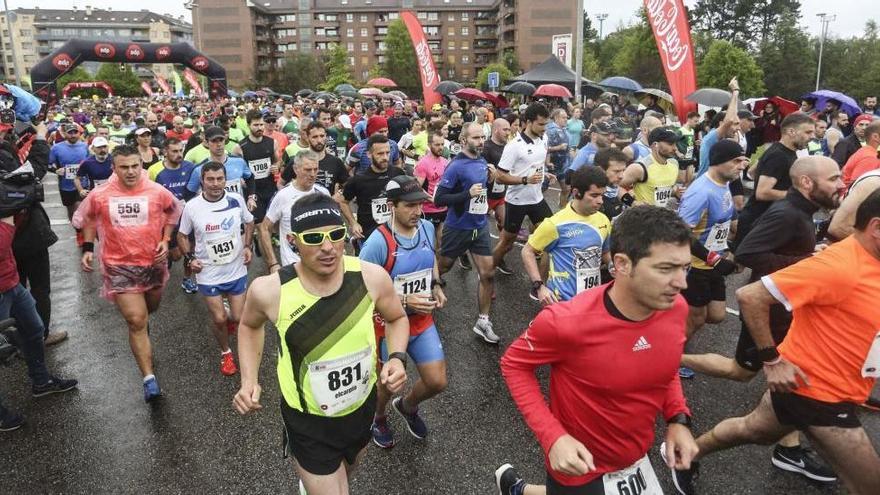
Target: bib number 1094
{"type": "Point", "coordinates": [344, 377]}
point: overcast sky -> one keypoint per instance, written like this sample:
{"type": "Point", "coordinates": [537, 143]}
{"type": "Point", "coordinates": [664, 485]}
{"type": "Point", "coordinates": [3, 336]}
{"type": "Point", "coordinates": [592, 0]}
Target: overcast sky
{"type": "Point", "coordinates": [850, 13]}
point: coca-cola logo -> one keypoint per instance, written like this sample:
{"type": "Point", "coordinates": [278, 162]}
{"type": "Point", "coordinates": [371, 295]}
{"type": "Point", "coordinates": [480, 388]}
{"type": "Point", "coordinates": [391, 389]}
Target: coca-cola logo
{"type": "Point", "coordinates": [62, 62]}
{"type": "Point", "coordinates": [105, 50]}
{"type": "Point", "coordinates": [426, 64]}
{"type": "Point", "coordinates": [163, 52]}
{"type": "Point", "coordinates": [663, 15]}
{"type": "Point", "coordinates": [134, 52]}
{"type": "Point", "coordinates": [200, 63]}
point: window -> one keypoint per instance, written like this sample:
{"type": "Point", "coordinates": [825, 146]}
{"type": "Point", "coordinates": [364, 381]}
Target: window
{"type": "Point", "coordinates": [432, 30]}
{"type": "Point", "coordinates": [437, 58]}
{"type": "Point", "coordinates": [464, 16]}
{"type": "Point", "coordinates": [365, 74]}
{"type": "Point", "coordinates": [349, 32]}
{"type": "Point", "coordinates": [382, 31]}
{"type": "Point", "coordinates": [450, 31]}
{"type": "Point", "coordinates": [451, 17]}
{"type": "Point", "coordinates": [349, 46]}
{"type": "Point", "coordinates": [393, 16]}
{"type": "Point", "coordinates": [25, 33]}
{"type": "Point", "coordinates": [125, 33]}
{"type": "Point", "coordinates": [320, 32]}
{"type": "Point", "coordinates": [364, 47]}
{"type": "Point", "coordinates": [464, 31]}
{"type": "Point", "coordinates": [331, 17]}
{"type": "Point", "coordinates": [434, 46]}
{"type": "Point", "coordinates": [450, 59]}
{"type": "Point", "coordinates": [365, 60]}
{"type": "Point", "coordinates": [381, 59]}
{"type": "Point", "coordinates": [422, 15]}
{"type": "Point", "coordinates": [321, 45]}
{"type": "Point", "coordinates": [70, 32]}
{"type": "Point", "coordinates": [332, 32]}
{"type": "Point", "coordinates": [57, 32]}
{"type": "Point", "coordinates": [433, 16]}
{"type": "Point", "coordinates": [451, 45]}
{"type": "Point", "coordinates": [363, 17]}
{"type": "Point", "coordinates": [465, 45]}
{"type": "Point", "coordinates": [450, 73]}
{"type": "Point", "coordinates": [286, 18]}
{"type": "Point", "coordinates": [465, 73]}
{"type": "Point", "coordinates": [351, 61]}
{"type": "Point", "coordinates": [364, 32]}
{"type": "Point", "coordinates": [285, 33]}
{"type": "Point", "coordinates": [349, 17]}
{"type": "Point", "coordinates": [465, 59]}
{"type": "Point", "coordinates": [27, 46]}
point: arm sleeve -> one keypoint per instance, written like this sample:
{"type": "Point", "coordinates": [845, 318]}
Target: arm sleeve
{"type": "Point", "coordinates": [508, 159]}
{"type": "Point", "coordinates": [824, 279]}
{"type": "Point", "coordinates": [544, 236]}
{"type": "Point", "coordinates": [538, 345]}
{"type": "Point", "coordinates": [675, 403]}
{"type": "Point", "coordinates": [445, 197]}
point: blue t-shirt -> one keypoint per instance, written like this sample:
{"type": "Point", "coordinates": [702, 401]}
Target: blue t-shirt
{"type": "Point", "coordinates": [640, 150]}
{"type": "Point", "coordinates": [236, 170]}
{"type": "Point", "coordinates": [68, 156]}
{"type": "Point", "coordinates": [93, 173]}
{"type": "Point", "coordinates": [707, 207]}
{"type": "Point", "coordinates": [460, 174]}
{"type": "Point", "coordinates": [359, 157]}
{"type": "Point", "coordinates": [414, 254]}
{"type": "Point", "coordinates": [555, 136]}
{"type": "Point", "coordinates": [360, 129]}
{"type": "Point", "coordinates": [584, 156]}
{"type": "Point", "coordinates": [709, 140]}
{"type": "Point", "coordinates": [175, 180]}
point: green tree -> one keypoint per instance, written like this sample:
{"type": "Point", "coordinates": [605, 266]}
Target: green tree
{"type": "Point", "coordinates": [511, 61]}
{"type": "Point", "coordinates": [121, 78]}
{"type": "Point", "coordinates": [504, 74]}
{"type": "Point", "coordinates": [633, 53]}
{"type": "Point", "coordinates": [590, 33]}
{"type": "Point", "coordinates": [788, 60]}
{"type": "Point", "coordinates": [591, 69]}
{"type": "Point", "coordinates": [299, 71]}
{"type": "Point", "coordinates": [400, 58]}
{"type": "Point", "coordinates": [338, 69]}
{"type": "Point", "coordinates": [723, 61]}
{"type": "Point", "coordinates": [744, 23]}
{"type": "Point", "coordinates": [851, 65]}
{"type": "Point", "coordinates": [78, 74]}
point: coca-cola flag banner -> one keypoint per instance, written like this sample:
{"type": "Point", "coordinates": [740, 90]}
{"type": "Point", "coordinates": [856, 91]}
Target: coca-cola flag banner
{"type": "Point", "coordinates": [430, 78]}
{"type": "Point", "coordinates": [146, 87]}
{"type": "Point", "coordinates": [193, 81]}
{"type": "Point", "coordinates": [163, 84]}
{"type": "Point", "coordinates": [671, 31]}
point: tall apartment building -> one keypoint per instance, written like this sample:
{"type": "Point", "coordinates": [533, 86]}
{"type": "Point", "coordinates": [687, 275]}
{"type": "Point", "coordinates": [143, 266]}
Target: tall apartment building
{"type": "Point", "coordinates": [252, 38]}
{"type": "Point", "coordinates": [36, 32]}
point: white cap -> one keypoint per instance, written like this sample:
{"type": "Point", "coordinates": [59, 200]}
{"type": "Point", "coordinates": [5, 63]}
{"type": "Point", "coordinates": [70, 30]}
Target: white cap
{"type": "Point", "coordinates": [320, 101]}
{"type": "Point", "coordinates": [182, 109]}
{"type": "Point", "coordinates": [345, 120]}
{"type": "Point", "coordinates": [99, 141]}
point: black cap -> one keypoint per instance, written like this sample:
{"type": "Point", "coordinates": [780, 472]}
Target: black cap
{"type": "Point", "coordinates": [405, 188]}
{"type": "Point", "coordinates": [70, 127]}
{"type": "Point", "coordinates": [663, 134]}
{"type": "Point", "coordinates": [745, 114]}
{"type": "Point", "coordinates": [604, 128]}
{"type": "Point", "coordinates": [369, 104]}
{"type": "Point", "coordinates": [214, 132]}
{"type": "Point", "coordinates": [725, 150]}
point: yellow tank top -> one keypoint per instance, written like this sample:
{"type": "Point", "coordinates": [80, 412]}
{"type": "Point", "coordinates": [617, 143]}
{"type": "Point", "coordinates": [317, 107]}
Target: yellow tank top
{"type": "Point", "coordinates": [660, 183]}
{"type": "Point", "coordinates": [327, 345]}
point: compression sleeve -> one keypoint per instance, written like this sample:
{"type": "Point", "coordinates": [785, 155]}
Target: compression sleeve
{"type": "Point", "coordinates": [445, 197]}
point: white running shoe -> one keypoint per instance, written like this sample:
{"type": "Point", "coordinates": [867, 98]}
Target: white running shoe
{"type": "Point", "coordinates": [483, 328]}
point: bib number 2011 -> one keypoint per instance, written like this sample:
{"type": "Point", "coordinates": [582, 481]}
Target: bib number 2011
{"type": "Point", "coordinates": [634, 484]}
{"type": "Point", "coordinates": [344, 377]}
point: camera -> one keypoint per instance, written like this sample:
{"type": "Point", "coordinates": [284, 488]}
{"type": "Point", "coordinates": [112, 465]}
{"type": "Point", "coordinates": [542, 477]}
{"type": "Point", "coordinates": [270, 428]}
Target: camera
{"type": "Point", "coordinates": [7, 116]}
{"type": "Point", "coordinates": [19, 190]}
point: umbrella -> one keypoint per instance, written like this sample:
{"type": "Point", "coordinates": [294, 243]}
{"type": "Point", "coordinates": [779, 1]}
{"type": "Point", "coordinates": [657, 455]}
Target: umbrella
{"type": "Point", "coordinates": [249, 94]}
{"type": "Point", "coordinates": [471, 94]}
{"type": "Point", "coordinates": [784, 106]}
{"type": "Point", "coordinates": [323, 95]}
{"type": "Point", "coordinates": [553, 90]}
{"type": "Point", "coordinates": [621, 83]}
{"type": "Point", "coordinates": [344, 87]}
{"type": "Point", "coordinates": [399, 94]}
{"type": "Point", "coordinates": [371, 92]}
{"type": "Point", "coordinates": [349, 94]}
{"type": "Point", "coordinates": [710, 97]}
{"type": "Point", "coordinates": [382, 82]}
{"type": "Point", "coordinates": [304, 93]}
{"type": "Point", "coordinates": [520, 88]}
{"type": "Point", "coordinates": [268, 91]}
{"type": "Point", "coordinates": [663, 95]}
{"type": "Point", "coordinates": [448, 87]}
{"type": "Point", "coordinates": [498, 100]}
{"type": "Point", "coordinates": [232, 94]}
{"type": "Point", "coordinates": [847, 104]}
{"type": "Point", "coordinates": [391, 96]}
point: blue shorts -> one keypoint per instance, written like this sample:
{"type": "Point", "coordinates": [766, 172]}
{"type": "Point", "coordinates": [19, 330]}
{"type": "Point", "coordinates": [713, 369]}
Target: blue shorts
{"type": "Point", "coordinates": [234, 288]}
{"type": "Point", "coordinates": [422, 348]}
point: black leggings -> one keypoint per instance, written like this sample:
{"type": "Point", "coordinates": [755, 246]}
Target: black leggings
{"type": "Point", "coordinates": [33, 270]}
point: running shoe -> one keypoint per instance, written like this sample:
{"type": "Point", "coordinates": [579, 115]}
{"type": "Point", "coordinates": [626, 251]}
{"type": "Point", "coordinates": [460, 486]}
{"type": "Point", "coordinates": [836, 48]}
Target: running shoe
{"type": "Point", "coordinates": [683, 479]}
{"type": "Point", "coordinates": [302, 488]}
{"type": "Point", "coordinates": [483, 328]}
{"type": "Point", "coordinates": [414, 423]}
{"type": "Point", "coordinates": [383, 435]}
{"type": "Point", "coordinates": [12, 421]}
{"type": "Point", "coordinates": [189, 286]}
{"type": "Point", "coordinates": [227, 364]}
{"type": "Point", "coordinates": [151, 390]}
{"type": "Point", "coordinates": [503, 268]}
{"type": "Point", "coordinates": [508, 481]}
{"type": "Point", "coordinates": [804, 461]}
{"type": "Point", "coordinates": [55, 385]}
{"type": "Point", "coordinates": [685, 372]}
{"type": "Point", "coordinates": [465, 262]}
{"type": "Point", "coordinates": [55, 337]}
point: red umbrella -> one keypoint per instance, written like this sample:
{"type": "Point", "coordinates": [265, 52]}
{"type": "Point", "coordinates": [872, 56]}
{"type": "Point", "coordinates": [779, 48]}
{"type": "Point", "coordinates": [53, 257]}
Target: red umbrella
{"type": "Point", "coordinates": [553, 90]}
{"type": "Point", "coordinates": [471, 94]}
{"type": "Point", "coordinates": [382, 82]}
{"type": "Point", "coordinates": [497, 99]}
{"type": "Point", "coordinates": [784, 106]}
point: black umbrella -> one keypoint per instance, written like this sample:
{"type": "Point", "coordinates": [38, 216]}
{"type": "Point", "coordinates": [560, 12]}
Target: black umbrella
{"type": "Point", "coordinates": [350, 94]}
{"type": "Point", "coordinates": [304, 93]}
{"type": "Point", "coordinates": [712, 97]}
{"type": "Point", "coordinates": [344, 87]}
{"type": "Point", "coordinates": [520, 87]}
{"type": "Point", "coordinates": [448, 87]}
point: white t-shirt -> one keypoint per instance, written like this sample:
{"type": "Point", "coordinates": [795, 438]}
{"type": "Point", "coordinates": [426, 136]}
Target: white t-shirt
{"type": "Point", "coordinates": [217, 229]}
{"type": "Point", "coordinates": [522, 157]}
{"type": "Point", "coordinates": [279, 213]}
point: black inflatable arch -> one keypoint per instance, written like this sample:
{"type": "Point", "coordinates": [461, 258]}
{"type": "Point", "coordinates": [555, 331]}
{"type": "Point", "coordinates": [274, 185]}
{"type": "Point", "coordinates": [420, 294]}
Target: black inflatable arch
{"type": "Point", "coordinates": [47, 71]}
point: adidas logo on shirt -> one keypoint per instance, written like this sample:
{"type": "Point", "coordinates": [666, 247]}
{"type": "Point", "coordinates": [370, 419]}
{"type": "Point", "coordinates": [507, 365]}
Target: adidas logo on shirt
{"type": "Point", "coordinates": [641, 345]}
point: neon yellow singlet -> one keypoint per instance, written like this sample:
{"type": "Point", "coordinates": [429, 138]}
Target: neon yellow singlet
{"type": "Point", "coordinates": [659, 184]}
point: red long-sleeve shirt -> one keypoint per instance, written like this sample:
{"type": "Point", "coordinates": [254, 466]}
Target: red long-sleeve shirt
{"type": "Point", "coordinates": [609, 378]}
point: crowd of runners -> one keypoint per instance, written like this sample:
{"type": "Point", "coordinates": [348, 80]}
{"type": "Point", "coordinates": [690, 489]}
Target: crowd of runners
{"type": "Point", "coordinates": [357, 209]}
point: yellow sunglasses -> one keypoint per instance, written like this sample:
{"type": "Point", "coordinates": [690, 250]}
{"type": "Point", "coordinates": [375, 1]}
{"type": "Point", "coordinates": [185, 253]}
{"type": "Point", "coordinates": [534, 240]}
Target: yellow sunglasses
{"type": "Point", "coordinates": [317, 238]}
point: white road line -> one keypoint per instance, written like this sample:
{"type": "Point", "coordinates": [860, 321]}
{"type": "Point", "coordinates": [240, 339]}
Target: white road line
{"type": "Point", "coordinates": [732, 311]}
{"type": "Point", "coordinates": [59, 222]}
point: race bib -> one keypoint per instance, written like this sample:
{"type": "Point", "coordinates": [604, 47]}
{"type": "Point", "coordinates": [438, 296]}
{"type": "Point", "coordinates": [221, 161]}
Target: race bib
{"type": "Point", "coordinates": [129, 211]}
{"type": "Point", "coordinates": [234, 186]}
{"type": "Point", "coordinates": [70, 171]}
{"type": "Point", "coordinates": [689, 152]}
{"type": "Point", "coordinates": [222, 250]}
{"type": "Point", "coordinates": [662, 195]}
{"type": "Point", "coordinates": [342, 382]}
{"type": "Point", "coordinates": [479, 205]}
{"type": "Point", "coordinates": [638, 479]}
{"type": "Point", "coordinates": [586, 268]}
{"type": "Point", "coordinates": [414, 283]}
{"type": "Point", "coordinates": [717, 238]}
{"type": "Point", "coordinates": [260, 167]}
{"type": "Point", "coordinates": [497, 187]}
{"type": "Point", "coordinates": [871, 369]}
{"type": "Point", "coordinates": [380, 209]}
{"type": "Point", "coordinates": [539, 169]}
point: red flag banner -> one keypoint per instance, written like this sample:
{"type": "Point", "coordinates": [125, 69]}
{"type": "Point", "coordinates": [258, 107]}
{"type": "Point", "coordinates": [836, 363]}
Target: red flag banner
{"type": "Point", "coordinates": [669, 22]}
{"type": "Point", "coordinates": [163, 84]}
{"type": "Point", "coordinates": [430, 78]}
{"type": "Point", "coordinates": [192, 80]}
{"type": "Point", "coordinates": [146, 87]}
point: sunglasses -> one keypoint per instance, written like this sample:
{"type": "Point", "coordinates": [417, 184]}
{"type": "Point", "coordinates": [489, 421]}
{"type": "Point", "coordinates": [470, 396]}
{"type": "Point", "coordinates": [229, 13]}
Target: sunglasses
{"type": "Point", "coordinates": [317, 238]}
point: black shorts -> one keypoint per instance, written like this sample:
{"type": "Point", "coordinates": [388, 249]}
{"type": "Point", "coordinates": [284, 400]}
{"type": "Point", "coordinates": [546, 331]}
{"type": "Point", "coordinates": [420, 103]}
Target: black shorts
{"type": "Point", "coordinates": [746, 350]}
{"type": "Point", "coordinates": [320, 444]}
{"type": "Point", "coordinates": [456, 242]}
{"type": "Point", "coordinates": [69, 198]}
{"type": "Point", "coordinates": [436, 218]}
{"type": "Point", "coordinates": [594, 487]}
{"type": "Point", "coordinates": [737, 188]}
{"type": "Point", "coordinates": [704, 286]}
{"type": "Point", "coordinates": [263, 200]}
{"type": "Point", "coordinates": [803, 412]}
{"type": "Point", "coordinates": [515, 214]}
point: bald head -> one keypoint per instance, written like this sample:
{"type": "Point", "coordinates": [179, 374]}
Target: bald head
{"type": "Point", "coordinates": [811, 166]}
{"type": "Point", "coordinates": [500, 130]}
{"type": "Point", "coordinates": [818, 179]}
{"type": "Point", "coordinates": [648, 124]}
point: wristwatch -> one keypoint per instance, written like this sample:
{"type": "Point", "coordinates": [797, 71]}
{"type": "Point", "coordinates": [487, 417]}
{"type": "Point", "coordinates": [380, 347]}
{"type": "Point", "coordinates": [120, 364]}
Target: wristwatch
{"type": "Point", "coordinates": [525, 180]}
{"type": "Point", "coordinates": [680, 419]}
{"type": "Point", "coordinates": [438, 281]}
{"type": "Point", "coordinates": [399, 355]}
{"type": "Point", "coordinates": [536, 284]}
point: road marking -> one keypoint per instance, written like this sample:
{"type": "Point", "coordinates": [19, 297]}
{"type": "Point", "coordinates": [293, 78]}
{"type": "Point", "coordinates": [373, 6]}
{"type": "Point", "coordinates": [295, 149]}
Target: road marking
{"type": "Point", "coordinates": [59, 222]}
{"type": "Point", "coordinates": [732, 311]}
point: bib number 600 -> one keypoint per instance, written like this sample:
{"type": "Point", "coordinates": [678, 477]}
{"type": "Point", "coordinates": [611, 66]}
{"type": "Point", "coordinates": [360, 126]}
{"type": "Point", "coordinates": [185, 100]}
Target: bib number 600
{"type": "Point", "coordinates": [634, 484]}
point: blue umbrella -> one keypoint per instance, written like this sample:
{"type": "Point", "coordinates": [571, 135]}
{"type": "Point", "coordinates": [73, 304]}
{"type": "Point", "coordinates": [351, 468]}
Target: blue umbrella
{"type": "Point", "coordinates": [249, 94]}
{"type": "Point", "coordinates": [232, 94]}
{"type": "Point", "coordinates": [621, 83]}
{"type": "Point", "coordinates": [847, 104]}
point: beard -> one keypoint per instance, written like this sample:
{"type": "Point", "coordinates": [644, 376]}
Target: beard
{"type": "Point", "coordinates": [824, 200]}
{"type": "Point", "coordinates": [318, 147]}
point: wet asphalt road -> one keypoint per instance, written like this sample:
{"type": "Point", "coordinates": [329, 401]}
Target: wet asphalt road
{"type": "Point", "coordinates": [104, 439]}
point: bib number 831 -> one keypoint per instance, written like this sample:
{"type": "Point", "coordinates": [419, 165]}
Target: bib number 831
{"type": "Point", "coordinates": [344, 377]}
{"type": "Point", "coordinates": [634, 484]}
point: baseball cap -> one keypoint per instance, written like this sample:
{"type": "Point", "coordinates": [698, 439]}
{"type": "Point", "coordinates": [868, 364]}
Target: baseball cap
{"type": "Point", "coordinates": [70, 128]}
{"type": "Point", "coordinates": [405, 188]}
{"type": "Point", "coordinates": [369, 104]}
{"type": "Point", "coordinates": [725, 150]}
{"type": "Point", "coordinates": [100, 141]}
{"type": "Point", "coordinates": [604, 128]}
{"type": "Point", "coordinates": [662, 134]}
{"type": "Point", "coordinates": [865, 117]}
{"type": "Point", "coordinates": [214, 132]}
{"type": "Point", "coordinates": [745, 114]}
{"type": "Point", "coordinates": [142, 131]}
{"type": "Point", "coordinates": [522, 108]}
{"type": "Point", "coordinates": [183, 110]}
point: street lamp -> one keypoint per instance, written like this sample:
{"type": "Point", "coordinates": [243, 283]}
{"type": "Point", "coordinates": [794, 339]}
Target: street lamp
{"type": "Point", "coordinates": [825, 19]}
{"type": "Point", "coordinates": [579, 50]}
{"type": "Point", "coordinates": [601, 18]}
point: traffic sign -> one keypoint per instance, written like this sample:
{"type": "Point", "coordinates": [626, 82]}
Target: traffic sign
{"type": "Point", "coordinates": [494, 80]}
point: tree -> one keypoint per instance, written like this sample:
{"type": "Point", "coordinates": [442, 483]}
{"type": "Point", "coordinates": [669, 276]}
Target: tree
{"type": "Point", "coordinates": [632, 52]}
{"type": "Point", "coordinates": [338, 69]}
{"type": "Point", "coordinates": [723, 61]}
{"type": "Point", "coordinates": [78, 74]}
{"type": "Point", "coordinates": [590, 33]}
{"type": "Point", "coordinates": [300, 71]}
{"type": "Point", "coordinates": [400, 58]}
{"type": "Point", "coordinates": [787, 60]}
{"type": "Point", "coordinates": [504, 74]}
{"type": "Point", "coordinates": [591, 69]}
{"type": "Point", "coordinates": [851, 65]}
{"type": "Point", "coordinates": [511, 61]}
{"type": "Point", "coordinates": [744, 23]}
{"type": "Point", "coordinates": [121, 78]}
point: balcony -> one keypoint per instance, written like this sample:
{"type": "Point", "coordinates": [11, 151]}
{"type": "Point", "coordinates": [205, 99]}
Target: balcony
{"type": "Point", "coordinates": [485, 20]}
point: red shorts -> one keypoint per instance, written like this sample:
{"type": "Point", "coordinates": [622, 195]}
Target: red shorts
{"type": "Point", "coordinates": [495, 203]}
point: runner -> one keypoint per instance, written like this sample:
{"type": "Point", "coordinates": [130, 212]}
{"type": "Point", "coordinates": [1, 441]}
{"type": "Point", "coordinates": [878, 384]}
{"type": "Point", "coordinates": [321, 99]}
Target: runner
{"type": "Point", "coordinates": [827, 363]}
{"type": "Point", "coordinates": [278, 214]}
{"type": "Point", "coordinates": [687, 148]}
{"type": "Point", "coordinates": [865, 159]}
{"type": "Point", "coordinates": [238, 175]}
{"type": "Point", "coordinates": [332, 172]}
{"type": "Point", "coordinates": [492, 151]}
{"type": "Point", "coordinates": [359, 156]}
{"type": "Point", "coordinates": [428, 171]}
{"type": "Point", "coordinates": [640, 149]}
{"type": "Point", "coordinates": [259, 152]}
{"type": "Point", "coordinates": [463, 190]}
{"type": "Point", "coordinates": [610, 379]}
{"type": "Point", "coordinates": [404, 246]}
{"type": "Point", "coordinates": [149, 154]}
{"type": "Point", "coordinates": [134, 218]}
{"type": "Point", "coordinates": [601, 138]}
{"type": "Point", "coordinates": [220, 254]}
{"type": "Point", "coordinates": [65, 158]}
{"type": "Point", "coordinates": [94, 170]}
{"type": "Point", "coordinates": [616, 199]}
{"type": "Point", "coordinates": [576, 240]}
{"type": "Point", "coordinates": [845, 217]}
{"type": "Point", "coordinates": [323, 309]}
{"type": "Point", "coordinates": [653, 179]}
{"type": "Point", "coordinates": [178, 131]}
{"type": "Point", "coordinates": [521, 168]}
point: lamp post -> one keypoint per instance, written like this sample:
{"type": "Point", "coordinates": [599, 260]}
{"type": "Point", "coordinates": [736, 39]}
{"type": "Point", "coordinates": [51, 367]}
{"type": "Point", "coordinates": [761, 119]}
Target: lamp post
{"type": "Point", "coordinates": [825, 20]}
{"type": "Point", "coordinates": [601, 18]}
{"type": "Point", "coordinates": [579, 50]}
